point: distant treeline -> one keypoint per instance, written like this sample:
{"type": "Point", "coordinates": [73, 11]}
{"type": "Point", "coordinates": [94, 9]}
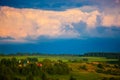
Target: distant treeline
{"type": "Point", "coordinates": [103, 54]}
{"type": "Point", "coordinates": [21, 54]}
{"type": "Point", "coordinates": [30, 54]}
{"type": "Point", "coordinates": [94, 54]}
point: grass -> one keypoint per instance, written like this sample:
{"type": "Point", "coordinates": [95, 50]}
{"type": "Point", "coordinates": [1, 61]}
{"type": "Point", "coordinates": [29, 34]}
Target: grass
{"type": "Point", "coordinates": [76, 72]}
{"type": "Point", "coordinates": [63, 58]}
{"type": "Point", "coordinates": [87, 76]}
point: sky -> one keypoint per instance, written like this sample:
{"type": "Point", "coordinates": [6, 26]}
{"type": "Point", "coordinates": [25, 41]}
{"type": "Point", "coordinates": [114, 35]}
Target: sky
{"type": "Point", "coordinates": [59, 26]}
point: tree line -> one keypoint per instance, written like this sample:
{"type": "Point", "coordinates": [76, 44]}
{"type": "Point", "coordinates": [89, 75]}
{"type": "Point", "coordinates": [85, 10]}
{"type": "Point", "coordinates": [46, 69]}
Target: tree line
{"type": "Point", "coordinates": [10, 69]}
{"type": "Point", "coordinates": [103, 54]}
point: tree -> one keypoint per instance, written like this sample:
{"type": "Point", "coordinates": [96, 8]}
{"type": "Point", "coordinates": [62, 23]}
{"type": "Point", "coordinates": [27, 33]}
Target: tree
{"type": "Point", "coordinates": [44, 76]}
{"type": "Point", "coordinates": [30, 77]}
{"type": "Point", "coordinates": [72, 78]}
{"type": "Point", "coordinates": [6, 77]}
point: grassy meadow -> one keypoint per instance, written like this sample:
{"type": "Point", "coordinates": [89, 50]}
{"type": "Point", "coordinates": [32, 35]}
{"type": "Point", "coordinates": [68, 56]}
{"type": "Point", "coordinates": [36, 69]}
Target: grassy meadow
{"type": "Point", "coordinates": [63, 58]}
{"type": "Point", "coordinates": [82, 68]}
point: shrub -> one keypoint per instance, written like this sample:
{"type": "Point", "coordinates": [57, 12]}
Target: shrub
{"type": "Point", "coordinates": [85, 59]}
{"type": "Point", "coordinates": [72, 78]}
{"type": "Point", "coordinates": [84, 67]}
{"type": "Point", "coordinates": [100, 66]}
{"type": "Point", "coordinates": [58, 67]}
{"type": "Point", "coordinates": [105, 78]}
{"type": "Point", "coordinates": [99, 71]}
{"type": "Point", "coordinates": [30, 77]}
{"type": "Point", "coordinates": [44, 76]}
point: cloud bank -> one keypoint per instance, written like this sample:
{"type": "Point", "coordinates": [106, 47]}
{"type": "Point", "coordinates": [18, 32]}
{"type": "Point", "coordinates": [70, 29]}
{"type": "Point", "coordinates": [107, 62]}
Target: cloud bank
{"type": "Point", "coordinates": [23, 24]}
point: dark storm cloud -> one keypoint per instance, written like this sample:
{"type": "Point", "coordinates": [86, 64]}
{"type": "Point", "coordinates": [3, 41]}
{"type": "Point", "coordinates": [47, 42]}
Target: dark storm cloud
{"type": "Point", "coordinates": [58, 4]}
{"type": "Point", "coordinates": [8, 38]}
{"type": "Point", "coordinates": [44, 4]}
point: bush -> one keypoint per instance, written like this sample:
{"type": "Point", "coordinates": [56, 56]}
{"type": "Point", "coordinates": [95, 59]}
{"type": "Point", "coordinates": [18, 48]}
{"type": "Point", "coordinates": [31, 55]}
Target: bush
{"type": "Point", "coordinates": [30, 77]}
{"type": "Point", "coordinates": [85, 59]}
{"type": "Point", "coordinates": [100, 66]}
{"type": "Point", "coordinates": [99, 71]}
{"type": "Point", "coordinates": [105, 78]}
{"type": "Point", "coordinates": [84, 67]}
{"type": "Point", "coordinates": [72, 78]}
{"type": "Point", "coordinates": [58, 67]}
{"type": "Point", "coordinates": [6, 77]}
{"type": "Point", "coordinates": [44, 76]}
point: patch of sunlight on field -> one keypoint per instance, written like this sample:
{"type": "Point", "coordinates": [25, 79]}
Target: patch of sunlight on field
{"type": "Point", "coordinates": [82, 75]}
{"type": "Point", "coordinates": [61, 77]}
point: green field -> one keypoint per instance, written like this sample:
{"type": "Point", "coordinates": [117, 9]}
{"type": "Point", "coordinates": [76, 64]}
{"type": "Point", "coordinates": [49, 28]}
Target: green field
{"type": "Point", "coordinates": [80, 74]}
{"type": "Point", "coordinates": [63, 58]}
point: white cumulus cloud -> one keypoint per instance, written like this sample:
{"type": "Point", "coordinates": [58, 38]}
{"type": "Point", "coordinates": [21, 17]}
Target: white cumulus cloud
{"type": "Point", "coordinates": [21, 24]}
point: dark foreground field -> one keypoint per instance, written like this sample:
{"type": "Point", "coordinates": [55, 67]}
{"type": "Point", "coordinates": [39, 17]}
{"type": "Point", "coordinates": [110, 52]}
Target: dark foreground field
{"type": "Point", "coordinates": [58, 68]}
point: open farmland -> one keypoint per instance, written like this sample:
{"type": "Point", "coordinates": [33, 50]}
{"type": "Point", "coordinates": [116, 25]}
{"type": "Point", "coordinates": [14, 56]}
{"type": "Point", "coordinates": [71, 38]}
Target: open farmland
{"type": "Point", "coordinates": [77, 67]}
{"type": "Point", "coordinates": [63, 58]}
